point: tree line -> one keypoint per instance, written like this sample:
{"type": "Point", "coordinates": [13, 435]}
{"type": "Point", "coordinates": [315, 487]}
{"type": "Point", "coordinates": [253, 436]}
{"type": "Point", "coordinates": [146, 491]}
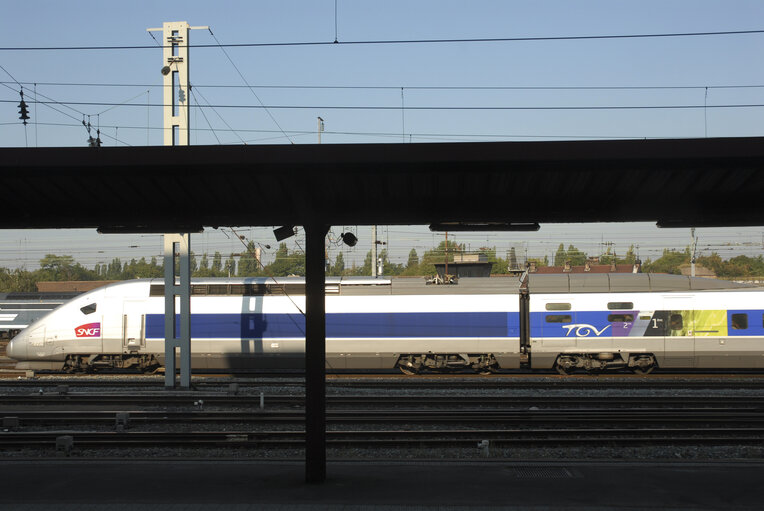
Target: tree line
{"type": "Point", "coordinates": [292, 262]}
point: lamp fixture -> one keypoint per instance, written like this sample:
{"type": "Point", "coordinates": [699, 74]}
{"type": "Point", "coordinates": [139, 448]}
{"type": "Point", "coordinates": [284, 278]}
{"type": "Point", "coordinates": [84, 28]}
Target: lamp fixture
{"type": "Point", "coordinates": [284, 232]}
{"type": "Point", "coordinates": [349, 239]}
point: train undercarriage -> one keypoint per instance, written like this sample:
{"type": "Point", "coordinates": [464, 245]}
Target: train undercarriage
{"type": "Point", "coordinates": [642, 363]}
{"type": "Point", "coordinates": [410, 364]}
{"type": "Point", "coordinates": [92, 363]}
{"type": "Point", "coordinates": [446, 363]}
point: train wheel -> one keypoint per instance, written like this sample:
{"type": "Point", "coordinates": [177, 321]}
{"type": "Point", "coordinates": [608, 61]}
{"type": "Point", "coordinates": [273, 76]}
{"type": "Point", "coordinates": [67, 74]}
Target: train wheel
{"type": "Point", "coordinates": [565, 371]}
{"type": "Point", "coordinates": [410, 371]}
{"type": "Point", "coordinates": [642, 370]}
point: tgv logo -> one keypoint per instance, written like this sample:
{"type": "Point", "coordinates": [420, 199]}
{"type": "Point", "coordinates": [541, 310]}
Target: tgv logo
{"type": "Point", "coordinates": [89, 330]}
{"type": "Point", "coordinates": [583, 330]}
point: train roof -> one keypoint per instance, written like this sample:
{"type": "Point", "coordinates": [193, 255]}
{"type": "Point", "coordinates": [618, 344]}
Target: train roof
{"type": "Point", "coordinates": [535, 283]}
{"type": "Point", "coordinates": [626, 283]}
{"type": "Point", "coordinates": [38, 296]}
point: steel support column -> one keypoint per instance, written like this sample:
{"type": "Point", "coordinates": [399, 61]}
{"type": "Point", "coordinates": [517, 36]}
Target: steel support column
{"type": "Point", "coordinates": [315, 354]}
{"type": "Point", "coordinates": [177, 291]}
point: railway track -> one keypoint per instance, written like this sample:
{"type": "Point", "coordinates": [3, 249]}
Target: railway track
{"type": "Point", "coordinates": [755, 403]}
{"type": "Point", "coordinates": [431, 382]}
{"type": "Point", "coordinates": [568, 417]}
{"type": "Point", "coordinates": [435, 438]}
{"type": "Point", "coordinates": [216, 423]}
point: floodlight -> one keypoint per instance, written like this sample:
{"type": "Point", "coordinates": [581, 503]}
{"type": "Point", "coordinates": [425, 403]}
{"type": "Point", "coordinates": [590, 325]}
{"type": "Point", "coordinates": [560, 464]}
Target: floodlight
{"type": "Point", "coordinates": [349, 238]}
{"type": "Point", "coordinates": [284, 232]}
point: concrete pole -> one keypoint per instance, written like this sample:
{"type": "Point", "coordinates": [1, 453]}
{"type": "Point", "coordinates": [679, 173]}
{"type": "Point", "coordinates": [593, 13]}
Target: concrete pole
{"type": "Point", "coordinates": [175, 70]}
{"type": "Point", "coordinates": [374, 251]}
{"type": "Point", "coordinates": [693, 244]}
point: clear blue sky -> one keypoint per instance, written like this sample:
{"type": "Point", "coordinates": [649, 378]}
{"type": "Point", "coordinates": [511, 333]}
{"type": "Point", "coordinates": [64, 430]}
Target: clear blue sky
{"type": "Point", "coordinates": [676, 71]}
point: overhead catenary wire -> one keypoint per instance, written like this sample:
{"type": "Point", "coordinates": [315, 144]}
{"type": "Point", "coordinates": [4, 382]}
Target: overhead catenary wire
{"type": "Point", "coordinates": [417, 107]}
{"type": "Point", "coordinates": [400, 41]}
{"type": "Point", "coordinates": [410, 87]}
{"type": "Point", "coordinates": [296, 133]}
{"type": "Point", "coordinates": [250, 88]}
{"type": "Point", "coordinates": [194, 91]}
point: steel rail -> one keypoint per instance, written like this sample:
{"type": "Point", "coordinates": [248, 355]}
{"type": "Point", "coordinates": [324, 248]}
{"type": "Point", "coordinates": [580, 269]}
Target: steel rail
{"type": "Point", "coordinates": [190, 399]}
{"type": "Point", "coordinates": [388, 438]}
{"type": "Point", "coordinates": [545, 382]}
{"type": "Point", "coordinates": [699, 417]}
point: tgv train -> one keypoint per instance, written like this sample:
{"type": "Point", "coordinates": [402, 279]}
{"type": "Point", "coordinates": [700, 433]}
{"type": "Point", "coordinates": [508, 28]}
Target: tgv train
{"type": "Point", "coordinates": [568, 322]}
{"type": "Point", "coordinates": [19, 310]}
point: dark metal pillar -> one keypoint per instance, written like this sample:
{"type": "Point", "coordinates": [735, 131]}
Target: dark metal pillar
{"type": "Point", "coordinates": [315, 354]}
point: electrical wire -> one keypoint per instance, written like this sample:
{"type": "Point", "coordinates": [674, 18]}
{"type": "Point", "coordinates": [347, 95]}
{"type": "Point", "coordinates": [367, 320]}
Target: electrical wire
{"type": "Point", "coordinates": [283, 286]}
{"type": "Point", "coordinates": [398, 41]}
{"type": "Point", "coordinates": [193, 91]}
{"type": "Point", "coordinates": [413, 87]}
{"type": "Point", "coordinates": [423, 136]}
{"type": "Point", "coordinates": [420, 108]}
{"type": "Point", "coordinates": [250, 88]}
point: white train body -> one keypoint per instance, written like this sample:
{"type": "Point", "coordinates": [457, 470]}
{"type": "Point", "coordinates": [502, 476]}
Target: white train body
{"type": "Point", "coordinates": [564, 322]}
{"type": "Point", "coordinates": [258, 322]}
{"type": "Point", "coordinates": [694, 329]}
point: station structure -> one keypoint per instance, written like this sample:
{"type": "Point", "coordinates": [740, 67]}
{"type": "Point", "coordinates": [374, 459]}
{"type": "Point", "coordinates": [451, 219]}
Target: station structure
{"type": "Point", "coordinates": [179, 189]}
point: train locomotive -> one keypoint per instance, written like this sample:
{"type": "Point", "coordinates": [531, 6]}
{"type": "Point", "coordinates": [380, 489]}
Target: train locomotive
{"type": "Point", "coordinates": [569, 322]}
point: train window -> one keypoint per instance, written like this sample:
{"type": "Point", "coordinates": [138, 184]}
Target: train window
{"type": "Point", "coordinates": [676, 323]}
{"type": "Point", "coordinates": [558, 306]}
{"type": "Point", "coordinates": [620, 305]}
{"type": "Point", "coordinates": [217, 289]}
{"type": "Point", "coordinates": [199, 289]}
{"type": "Point", "coordinates": [157, 290]}
{"type": "Point", "coordinates": [740, 321]}
{"type": "Point", "coordinates": [620, 318]}
{"type": "Point", "coordinates": [559, 318]}
{"type": "Point", "coordinates": [88, 309]}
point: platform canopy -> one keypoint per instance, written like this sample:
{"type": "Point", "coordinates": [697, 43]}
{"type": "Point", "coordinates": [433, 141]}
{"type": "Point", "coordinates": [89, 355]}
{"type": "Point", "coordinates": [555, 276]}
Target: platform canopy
{"type": "Point", "coordinates": [684, 182]}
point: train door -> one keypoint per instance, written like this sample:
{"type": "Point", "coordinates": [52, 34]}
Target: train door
{"type": "Point", "coordinates": [713, 346]}
{"type": "Point", "coordinates": [679, 337]}
{"type": "Point", "coordinates": [133, 326]}
{"type": "Point", "coordinates": [550, 332]}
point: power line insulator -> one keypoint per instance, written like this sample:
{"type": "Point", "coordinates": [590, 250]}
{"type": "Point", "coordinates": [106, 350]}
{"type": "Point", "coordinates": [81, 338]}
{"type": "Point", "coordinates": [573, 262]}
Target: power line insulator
{"type": "Point", "coordinates": [23, 110]}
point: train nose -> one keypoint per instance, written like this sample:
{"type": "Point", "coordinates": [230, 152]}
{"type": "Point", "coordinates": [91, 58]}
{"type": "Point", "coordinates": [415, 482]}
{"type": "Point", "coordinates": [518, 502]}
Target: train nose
{"type": "Point", "coordinates": [16, 349]}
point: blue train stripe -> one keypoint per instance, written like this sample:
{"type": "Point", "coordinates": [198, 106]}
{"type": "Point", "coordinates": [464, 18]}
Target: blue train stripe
{"type": "Point", "coordinates": [346, 325]}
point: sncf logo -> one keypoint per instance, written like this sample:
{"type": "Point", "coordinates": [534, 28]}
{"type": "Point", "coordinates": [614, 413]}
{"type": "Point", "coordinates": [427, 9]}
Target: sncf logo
{"type": "Point", "coordinates": [89, 330]}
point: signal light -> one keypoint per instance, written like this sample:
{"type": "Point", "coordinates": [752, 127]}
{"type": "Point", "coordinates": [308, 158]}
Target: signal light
{"type": "Point", "coordinates": [23, 109]}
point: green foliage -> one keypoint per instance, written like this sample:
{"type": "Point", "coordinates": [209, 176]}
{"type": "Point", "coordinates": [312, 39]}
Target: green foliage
{"type": "Point", "coordinates": [338, 268]}
{"type": "Point", "coordinates": [576, 257]}
{"type": "Point", "coordinates": [740, 266]}
{"type": "Point", "coordinates": [217, 263]}
{"type": "Point", "coordinates": [669, 262]}
{"type": "Point", "coordinates": [286, 263]}
{"type": "Point", "coordinates": [248, 266]}
{"type": "Point", "coordinates": [560, 256]}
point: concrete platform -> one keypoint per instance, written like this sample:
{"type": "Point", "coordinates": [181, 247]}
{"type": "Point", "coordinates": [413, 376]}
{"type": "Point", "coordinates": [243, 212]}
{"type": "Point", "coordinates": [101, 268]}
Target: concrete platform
{"type": "Point", "coordinates": [203, 485]}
